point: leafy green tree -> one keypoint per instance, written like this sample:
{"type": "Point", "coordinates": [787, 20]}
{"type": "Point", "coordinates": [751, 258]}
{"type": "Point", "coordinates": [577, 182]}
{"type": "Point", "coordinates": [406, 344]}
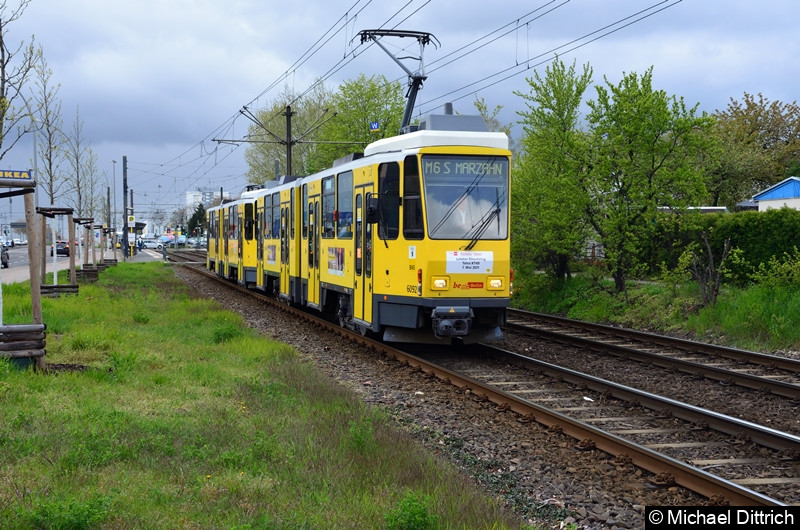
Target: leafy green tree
{"type": "Point", "coordinates": [733, 165]}
{"type": "Point", "coordinates": [493, 123]}
{"type": "Point", "coordinates": [197, 220]}
{"type": "Point", "coordinates": [548, 202]}
{"type": "Point", "coordinates": [645, 150]}
{"type": "Point", "coordinates": [766, 130]}
{"type": "Point", "coordinates": [358, 103]}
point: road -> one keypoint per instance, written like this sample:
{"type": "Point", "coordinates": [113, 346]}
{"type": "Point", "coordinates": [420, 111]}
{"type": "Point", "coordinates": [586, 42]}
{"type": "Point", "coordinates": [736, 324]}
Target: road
{"type": "Point", "coordinates": [19, 270]}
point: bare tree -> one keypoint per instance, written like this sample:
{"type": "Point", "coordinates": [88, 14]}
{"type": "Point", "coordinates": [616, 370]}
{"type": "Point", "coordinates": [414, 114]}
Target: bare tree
{"type": "Point", "coordinates": [707, 273]}
{"type": "Point", "coordinates": [82, 171]}
{"type": "Point", "coordinates": [93, 198]}
{"type": "Point", "coordinates": [16, 64]}
{"type": "Point", "coordinates": [179, 217]}
{"type": "Point", "coordinates": [159, 216]}
{"type": "Point", "coordinates": [50, 150]}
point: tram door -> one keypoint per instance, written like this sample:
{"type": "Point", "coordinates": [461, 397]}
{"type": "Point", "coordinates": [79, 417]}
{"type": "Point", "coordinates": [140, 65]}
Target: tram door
{"type": "Point", "coordinates": [285, 244]}
{"type": "Point", "coordinates": [362, 288]}
{"type": "Point", "coordinates": [240, 244]}
{"type": "Point", "coordinates": [313, 252]}
{"type": "Point", "coordinates": [226, 229]}
{"type": "Point", "coordinates": [259, 244]}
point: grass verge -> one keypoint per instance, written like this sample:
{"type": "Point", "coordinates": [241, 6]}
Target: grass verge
{"type": "Point", "coordinates": [186, 418]}
{"type": "Point", "coordinates": [760, 318]}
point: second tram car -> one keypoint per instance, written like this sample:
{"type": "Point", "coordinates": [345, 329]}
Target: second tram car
{"type": "Point", "coordinates": [409, 240]}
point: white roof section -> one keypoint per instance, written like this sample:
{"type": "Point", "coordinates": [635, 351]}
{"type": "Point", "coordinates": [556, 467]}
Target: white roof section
{"type": "Point", "coordinates": [425, 138]}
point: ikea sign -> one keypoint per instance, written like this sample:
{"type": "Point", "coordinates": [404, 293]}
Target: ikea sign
{"type": "Point", "coordinates": [13, 174]}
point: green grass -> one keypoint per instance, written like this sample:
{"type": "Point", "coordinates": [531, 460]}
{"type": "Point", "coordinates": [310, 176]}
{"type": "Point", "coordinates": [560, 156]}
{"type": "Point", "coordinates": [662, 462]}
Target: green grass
{"type": "Point", "coordinates": [760, 317]}
{"type": "Point", "coordinates": [186, 418]}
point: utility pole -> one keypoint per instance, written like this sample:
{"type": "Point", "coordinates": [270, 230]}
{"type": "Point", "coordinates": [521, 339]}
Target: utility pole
{"type": "Point", "coordinates": [289, 142]}
{"type": "Point", "coordinates": [124, 207]}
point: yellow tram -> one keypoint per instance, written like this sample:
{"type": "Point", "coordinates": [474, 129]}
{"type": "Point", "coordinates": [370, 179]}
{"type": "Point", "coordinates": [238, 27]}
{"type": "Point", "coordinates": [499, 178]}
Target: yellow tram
{"type": "Point", "coordinates": [410, 239]}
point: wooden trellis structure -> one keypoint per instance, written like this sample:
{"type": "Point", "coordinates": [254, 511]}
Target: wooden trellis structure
{"type": "Point", "coordinates": [55, 289]}
{"type": "Point", "coordinates": [109, 238]}
{"type": "Point", "coordinates": [89, 270]}
{"type": "Point", "coordinates": [25, 342]}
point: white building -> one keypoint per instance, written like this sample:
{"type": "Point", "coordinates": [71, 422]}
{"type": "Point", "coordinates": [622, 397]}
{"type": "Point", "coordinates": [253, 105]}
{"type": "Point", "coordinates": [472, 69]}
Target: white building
{"type": "Point", "coordinates": [193, 198]}
{"type": "Point", "coordinates": [784, 193]}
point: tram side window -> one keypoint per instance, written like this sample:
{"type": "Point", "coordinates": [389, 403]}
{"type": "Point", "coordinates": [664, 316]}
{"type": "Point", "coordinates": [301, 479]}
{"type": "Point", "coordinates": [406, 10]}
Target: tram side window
{"type": "Point", "coordinates": [232, 225]}
{"type": "Point", "coordinates": [344, 206]}
{"type": "Point", "coordinates": [276, 215]}
{"type": "Point", "coordinates": [328, 206]}
{"type": "Point", "coordinates": [267, 217]}
{"type": "Point", "coordinates": [305, 211]}
{"type": "Point", "coordinates": [248, 221]}
{"type": "Point", "coordinates": [389, 193]}
{"type": "Point", "coordinates": [412, 200]}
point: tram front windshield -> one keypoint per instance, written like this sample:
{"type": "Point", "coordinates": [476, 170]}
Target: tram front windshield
{"type": "Point", "coordinates": [466, 196]}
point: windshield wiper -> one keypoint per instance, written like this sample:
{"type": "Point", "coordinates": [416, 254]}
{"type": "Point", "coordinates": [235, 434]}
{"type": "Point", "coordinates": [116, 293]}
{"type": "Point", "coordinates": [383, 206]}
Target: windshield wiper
{"type": "Point", "coordinates": [482, 228]}
{"type": "Point", "coordinates": [484, 224]}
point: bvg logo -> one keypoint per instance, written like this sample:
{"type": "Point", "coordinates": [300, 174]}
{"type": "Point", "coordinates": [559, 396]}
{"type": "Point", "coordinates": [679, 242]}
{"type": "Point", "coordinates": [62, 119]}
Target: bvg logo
{"type": "Point", "coordinates": [467, 286]}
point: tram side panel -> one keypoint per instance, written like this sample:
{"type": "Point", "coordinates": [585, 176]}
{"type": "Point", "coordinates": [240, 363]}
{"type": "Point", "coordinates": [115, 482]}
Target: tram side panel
{"type": "Point", "coordinates": [271, 242]}
{"type": "Point", "coordinates": [231, 241]}
{"type": "Point", "coordinates": [214, 237]}
{"type": "Point", "coordinates": [248, 243]}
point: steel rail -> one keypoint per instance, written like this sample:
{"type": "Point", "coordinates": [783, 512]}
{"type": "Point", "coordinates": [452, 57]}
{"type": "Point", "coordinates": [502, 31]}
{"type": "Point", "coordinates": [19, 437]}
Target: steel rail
{"type": "Point", "coordinates": [780, 388]}
{"type": "Point", "coordinates": [685, 475]}
{"type": "Point", "coordinates": [784, 363]}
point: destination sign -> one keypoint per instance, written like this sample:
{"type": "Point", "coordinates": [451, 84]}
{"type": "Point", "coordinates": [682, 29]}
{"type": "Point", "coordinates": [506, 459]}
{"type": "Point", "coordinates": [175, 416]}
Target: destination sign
{"type": "Point", "coordinates": [464, 167]}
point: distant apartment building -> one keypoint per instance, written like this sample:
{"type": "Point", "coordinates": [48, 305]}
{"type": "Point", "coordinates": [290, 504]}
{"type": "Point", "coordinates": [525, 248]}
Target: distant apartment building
{"type": "Point", "coordinates": [204, 197]}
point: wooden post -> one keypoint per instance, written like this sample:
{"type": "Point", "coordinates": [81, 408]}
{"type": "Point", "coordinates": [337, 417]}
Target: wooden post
{"type": "Point", "coordinates": [35, 254]}
{"type": "Point", "coordinates": [42, 254]}
{"type": "Point", "coordinates": [103, 242]}
{"type": "Point", "coordinates": [90, 232]}
{"type": "Point", "coordinates": [85, 247]}
{"type": "Point", "coordinates": [73, 278]}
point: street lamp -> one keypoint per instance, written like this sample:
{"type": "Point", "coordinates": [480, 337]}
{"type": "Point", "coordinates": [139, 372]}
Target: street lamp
{"type": "Point", "coordinates": [114, 171]}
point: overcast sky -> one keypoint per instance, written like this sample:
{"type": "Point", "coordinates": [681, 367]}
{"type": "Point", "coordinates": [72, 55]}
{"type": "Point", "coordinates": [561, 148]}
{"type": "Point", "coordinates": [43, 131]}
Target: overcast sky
{"type": "Point", "coordinates": [157, 80]}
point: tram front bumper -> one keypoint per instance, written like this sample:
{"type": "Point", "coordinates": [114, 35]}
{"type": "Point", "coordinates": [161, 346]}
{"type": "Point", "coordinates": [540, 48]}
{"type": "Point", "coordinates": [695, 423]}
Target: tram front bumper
{"type": "Point", "coordinates": [452, 321]}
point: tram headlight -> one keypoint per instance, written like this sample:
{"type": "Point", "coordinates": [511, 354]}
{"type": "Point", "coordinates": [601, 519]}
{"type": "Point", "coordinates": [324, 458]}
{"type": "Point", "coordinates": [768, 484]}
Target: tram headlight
{"type": "Point", "coordinates": [439, 283]}
{"type": "Point", "coordinates": [494, 283]}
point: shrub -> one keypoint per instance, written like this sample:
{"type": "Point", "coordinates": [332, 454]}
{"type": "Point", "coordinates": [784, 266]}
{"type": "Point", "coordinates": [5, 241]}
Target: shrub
{"type": "Point", "coordinates": [412, 514]}
{"type": "Point", "coordinates": [779, 272]}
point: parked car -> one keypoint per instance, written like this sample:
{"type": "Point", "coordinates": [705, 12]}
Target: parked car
{"type": "Point", "coordinates": [151, 243]}
{"type": "Point", "coordinates": [62, 247]}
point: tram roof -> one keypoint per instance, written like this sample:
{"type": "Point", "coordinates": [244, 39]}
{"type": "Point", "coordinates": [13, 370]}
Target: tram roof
{"type": "Point", "coordinates": [427, 138]}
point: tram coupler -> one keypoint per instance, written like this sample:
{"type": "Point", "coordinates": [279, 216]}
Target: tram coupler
{"type": "Point", "coordinates": [452, 321]}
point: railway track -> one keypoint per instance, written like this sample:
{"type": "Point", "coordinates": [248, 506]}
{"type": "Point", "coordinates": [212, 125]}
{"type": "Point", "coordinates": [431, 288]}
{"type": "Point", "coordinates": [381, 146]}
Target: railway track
{"type": "Point", "coordinates": [724, 459]}
{"type": "Point", "coordinates": [711, 453]}
{"type": "Point", "coordinates": [777, 375]}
